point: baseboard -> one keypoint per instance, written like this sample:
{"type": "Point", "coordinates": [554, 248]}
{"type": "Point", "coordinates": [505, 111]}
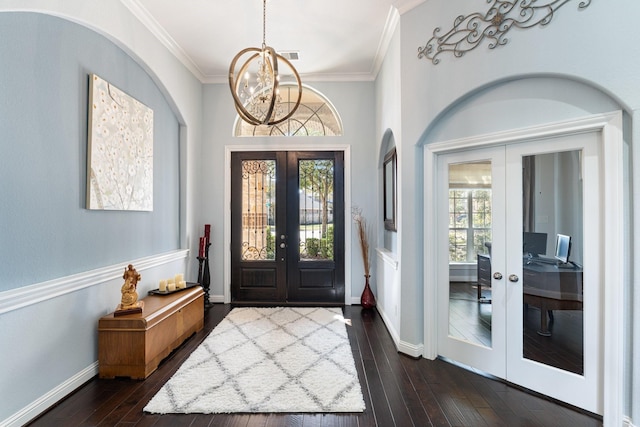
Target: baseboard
{"type": "Point", "coordinates": [216, 299]}
{"type": "Point", "coordinates": [411, 349]}
{"type": "Point", "coordinates": [401, 346]}
{"type": "Point", "coordinates": [387, 323]}
{"type": "Point", "coordinates": [43, 403]}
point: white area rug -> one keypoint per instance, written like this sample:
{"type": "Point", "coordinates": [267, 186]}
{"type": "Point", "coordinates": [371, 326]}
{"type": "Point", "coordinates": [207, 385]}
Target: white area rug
{"type": "Point", "coordinates": [267, 360]}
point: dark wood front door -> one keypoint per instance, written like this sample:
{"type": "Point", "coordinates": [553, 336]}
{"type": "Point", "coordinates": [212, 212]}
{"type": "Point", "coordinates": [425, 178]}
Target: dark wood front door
{"type": "Point", "coordinates": [287, 222]}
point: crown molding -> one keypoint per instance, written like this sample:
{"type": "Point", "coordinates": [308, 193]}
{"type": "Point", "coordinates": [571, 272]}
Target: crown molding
{"type": "Point", "coordinates": [143, 15]}
{"type": "Point", "coordinates": [404, 6]}
{"type": "Point", "coordinates": [393, 18]}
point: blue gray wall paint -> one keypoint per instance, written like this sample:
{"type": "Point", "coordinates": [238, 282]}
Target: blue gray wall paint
{"type": "Point", "coordinates": [45, 230]}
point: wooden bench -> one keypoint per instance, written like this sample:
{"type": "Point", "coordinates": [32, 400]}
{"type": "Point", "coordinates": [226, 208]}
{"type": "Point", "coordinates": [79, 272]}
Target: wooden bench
{"type": "Point", "coordinates": [133, 345]}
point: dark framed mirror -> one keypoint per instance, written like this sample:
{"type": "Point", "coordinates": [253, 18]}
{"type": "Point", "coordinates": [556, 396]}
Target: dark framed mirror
{"type": "Point", "coordinates": [389, 171]}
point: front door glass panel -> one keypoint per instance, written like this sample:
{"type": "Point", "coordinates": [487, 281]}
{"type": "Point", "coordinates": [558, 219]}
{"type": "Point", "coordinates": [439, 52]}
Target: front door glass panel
{"type": "Point", "coordinates": [552, 241]}
{"type": "Point", "coordinates": [258, 210]}
{"type": "Point", "coordinates": [315, 189]}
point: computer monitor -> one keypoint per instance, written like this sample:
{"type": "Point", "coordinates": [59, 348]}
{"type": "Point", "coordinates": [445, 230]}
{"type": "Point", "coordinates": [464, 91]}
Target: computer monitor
{"type": "Point", "coordinates": [563, 248]}
{"type": "Point", "coordinates": [534, 244]}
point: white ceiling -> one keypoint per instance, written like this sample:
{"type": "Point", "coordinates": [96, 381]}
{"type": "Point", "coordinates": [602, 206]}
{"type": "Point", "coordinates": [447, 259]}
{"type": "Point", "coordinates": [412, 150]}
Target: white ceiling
{"type": "Point", "coordinates": [337, 40]}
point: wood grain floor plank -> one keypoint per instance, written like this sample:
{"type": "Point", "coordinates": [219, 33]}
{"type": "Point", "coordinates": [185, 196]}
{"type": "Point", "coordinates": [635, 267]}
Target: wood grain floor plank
{"type": "Point", "coordinates": [398, 391]}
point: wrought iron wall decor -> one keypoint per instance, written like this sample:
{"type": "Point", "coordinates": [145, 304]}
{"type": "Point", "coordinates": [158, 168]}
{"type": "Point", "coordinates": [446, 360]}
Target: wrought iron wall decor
{"type": "Point", "coordinates": [470, 31]}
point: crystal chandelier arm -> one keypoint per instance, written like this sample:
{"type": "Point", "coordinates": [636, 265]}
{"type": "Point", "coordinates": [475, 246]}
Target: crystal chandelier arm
{"type": "Point", "coordinates": [295, 107]}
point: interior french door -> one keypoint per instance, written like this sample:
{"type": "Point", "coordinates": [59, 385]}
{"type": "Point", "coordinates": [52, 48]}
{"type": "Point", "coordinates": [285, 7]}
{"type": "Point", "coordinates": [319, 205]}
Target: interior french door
{"type": "Point", "coordinates": [538, 322]}
{"type": "Point", "coordinates": [287, 226]}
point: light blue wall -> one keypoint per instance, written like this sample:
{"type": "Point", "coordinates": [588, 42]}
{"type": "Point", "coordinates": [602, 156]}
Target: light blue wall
{"type": "Point", "coordinates": [45, 231]}
{"type": "Point", "coordinates": [46, 234]}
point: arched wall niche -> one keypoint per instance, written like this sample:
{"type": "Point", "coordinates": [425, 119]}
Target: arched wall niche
{"type": "Point", "coordinates": [388, 142]}
{"type": "Point", "coordinates": [389, 238]}
{"type": "Point", "coordinates": [179, 87]}
{"type": "Point", "coordinates": [519, 102]}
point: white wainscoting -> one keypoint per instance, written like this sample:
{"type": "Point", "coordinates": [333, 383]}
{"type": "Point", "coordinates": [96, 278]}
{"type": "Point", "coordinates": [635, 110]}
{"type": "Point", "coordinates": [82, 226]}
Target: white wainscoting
{"type": "Point", "coordinates": [388, 292]}
{"type": "Point", "coordinates": [56, 349]}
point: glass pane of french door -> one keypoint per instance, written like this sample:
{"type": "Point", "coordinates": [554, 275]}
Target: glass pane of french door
{"type": "Point", "coordinates": [553, 327]}
{"type": "Point", "coordinates": [554, 286]}
{"type": "Point", "coordinates": [471, 300]}
{"type": "Point", "coordinates": [469, 244]}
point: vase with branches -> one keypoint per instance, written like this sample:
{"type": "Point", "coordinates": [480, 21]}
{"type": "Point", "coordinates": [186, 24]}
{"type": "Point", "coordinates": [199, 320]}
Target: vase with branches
{"type": "Point", "coordinates": [367, 300]}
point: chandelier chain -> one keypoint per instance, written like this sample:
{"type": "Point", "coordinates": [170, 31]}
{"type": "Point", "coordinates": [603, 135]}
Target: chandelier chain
{"type": "Point", "coordinates": [264, 23]}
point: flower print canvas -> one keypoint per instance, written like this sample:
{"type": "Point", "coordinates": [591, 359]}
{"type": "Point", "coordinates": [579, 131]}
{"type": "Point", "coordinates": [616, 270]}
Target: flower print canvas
{"type": "Point", "coordinates": [120, 152]}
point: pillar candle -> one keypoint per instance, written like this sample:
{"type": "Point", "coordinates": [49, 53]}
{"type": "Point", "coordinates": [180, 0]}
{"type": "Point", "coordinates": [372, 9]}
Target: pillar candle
{"type": "Point", "coordinates": [178, 278]}
{"type": "Point", "coordinates": [163, 286]}
{"type": "Point", "coordinates": [181, 285]}
{"type": "Point", "coordinates": [207, 232]}
{"type": "Point", "coordinates": [171, 286]}
{"type": "Point", "coordinates": [201, 251]}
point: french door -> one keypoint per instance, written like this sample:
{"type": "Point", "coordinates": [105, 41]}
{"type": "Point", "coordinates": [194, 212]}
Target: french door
{"type": "Point", "coordinates": [287, 227]}
{"type": "Point", "coordinates": [519, 233]}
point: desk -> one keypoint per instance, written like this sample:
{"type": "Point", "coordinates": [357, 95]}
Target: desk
{"type": "Point", "coordinates": [543, 285]}
{"type": "Point", "coordinates": [551, 288]}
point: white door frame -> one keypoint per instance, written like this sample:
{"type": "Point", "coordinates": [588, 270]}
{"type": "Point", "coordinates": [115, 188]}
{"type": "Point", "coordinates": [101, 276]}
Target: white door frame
{"type": "Point", "coordinates": [346, 149]}
{"type": "Point", "coordinates": [610, 125]}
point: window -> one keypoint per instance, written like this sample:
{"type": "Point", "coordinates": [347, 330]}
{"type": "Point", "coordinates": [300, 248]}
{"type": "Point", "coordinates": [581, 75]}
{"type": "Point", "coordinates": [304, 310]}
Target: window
{"type": "Point", "coordinates": [469, 223]}
{"type": "Point", "coordinates": [315, 116]}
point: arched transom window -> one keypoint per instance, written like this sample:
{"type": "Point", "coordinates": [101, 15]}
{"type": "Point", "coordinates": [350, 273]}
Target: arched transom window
{"type": "Point", "coordinates": [315, 116]}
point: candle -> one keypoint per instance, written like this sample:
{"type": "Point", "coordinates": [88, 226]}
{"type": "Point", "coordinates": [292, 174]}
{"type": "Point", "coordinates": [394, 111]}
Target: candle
{"type": "Point", "coordinates": [181, 285]}
{"type": "Point", "coordinates": [201, 251]}
{"type": "Point", "coordinates": [163, 286]}
{"type": "Point", "coordinates": [207, 232]}
{"type": "Point", "coordinates": [178, 278]}
{"type": "Point", "coordinates": [171, 286]}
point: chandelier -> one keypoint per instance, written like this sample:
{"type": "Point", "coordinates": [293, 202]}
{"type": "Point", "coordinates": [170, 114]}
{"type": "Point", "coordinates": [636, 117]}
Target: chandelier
{"type": "Point", "coordinates": [255, 84]}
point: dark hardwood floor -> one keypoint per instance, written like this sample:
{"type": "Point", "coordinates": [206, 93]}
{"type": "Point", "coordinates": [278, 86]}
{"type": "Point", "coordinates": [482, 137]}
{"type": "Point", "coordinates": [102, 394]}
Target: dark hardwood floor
{"type": "Point", "coordinates": [399, 391]}
{"type": "Point", "coordinates": [471, 321]}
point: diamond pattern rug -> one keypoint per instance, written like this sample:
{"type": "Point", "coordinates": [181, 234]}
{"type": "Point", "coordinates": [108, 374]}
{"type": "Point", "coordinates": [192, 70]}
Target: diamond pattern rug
{"type": "Point", "coordinates": [267, 360]}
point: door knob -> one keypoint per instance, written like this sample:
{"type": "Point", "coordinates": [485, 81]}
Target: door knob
{"type": "Point", "coordinates": [497, 275]}
{"type": "Point", "coordinates": [513, 278]}
{"type": "Point", "coordinates": [283, 245]}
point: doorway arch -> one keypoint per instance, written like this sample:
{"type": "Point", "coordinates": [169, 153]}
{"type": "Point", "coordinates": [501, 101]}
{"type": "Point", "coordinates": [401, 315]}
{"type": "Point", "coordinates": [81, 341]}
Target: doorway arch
{"type": "Point", "coordinates": [506, 111]}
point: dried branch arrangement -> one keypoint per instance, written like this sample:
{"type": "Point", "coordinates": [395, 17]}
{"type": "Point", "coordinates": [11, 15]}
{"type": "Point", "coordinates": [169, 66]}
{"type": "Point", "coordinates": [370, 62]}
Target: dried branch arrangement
{"type": "Point", "coordinates": [363, 237]}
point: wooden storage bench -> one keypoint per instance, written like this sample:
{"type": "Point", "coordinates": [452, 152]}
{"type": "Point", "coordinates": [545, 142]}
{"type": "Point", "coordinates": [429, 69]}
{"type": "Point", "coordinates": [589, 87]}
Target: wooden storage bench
{"type": "Point", "coordinates": [133, 345]}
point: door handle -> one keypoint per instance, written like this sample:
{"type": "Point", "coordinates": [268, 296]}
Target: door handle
{"type": "Point", "coordinates": [513, 278]}
{"type": "Point", "coordinates": [283, 245]}
{"type": "Point", "coordinates": [497, 275]}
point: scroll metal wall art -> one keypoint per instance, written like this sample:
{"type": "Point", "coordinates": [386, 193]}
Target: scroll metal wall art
{"type": "Point", "coordinates": [470, 31]}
